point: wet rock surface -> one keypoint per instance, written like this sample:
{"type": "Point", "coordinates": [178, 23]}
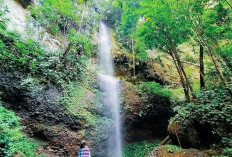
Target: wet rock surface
{"type": "Point", "coordinates": [60, 140]}
{"type": "Point", "coordinates": [38, 101]}
{"type": "Point", "coordinates": [41, 113]}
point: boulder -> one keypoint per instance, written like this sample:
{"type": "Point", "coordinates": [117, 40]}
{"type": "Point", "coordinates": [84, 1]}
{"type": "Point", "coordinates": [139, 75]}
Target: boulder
{"type": "Point", "coordinates": [196, 135]}
{"type": "Point", "coordinates": [143, 119]}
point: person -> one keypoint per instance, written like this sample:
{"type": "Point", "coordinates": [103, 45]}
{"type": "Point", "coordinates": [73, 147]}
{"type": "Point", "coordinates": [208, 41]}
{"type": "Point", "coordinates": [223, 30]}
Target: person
{"type": "Point", "coordinates": [84, 150]}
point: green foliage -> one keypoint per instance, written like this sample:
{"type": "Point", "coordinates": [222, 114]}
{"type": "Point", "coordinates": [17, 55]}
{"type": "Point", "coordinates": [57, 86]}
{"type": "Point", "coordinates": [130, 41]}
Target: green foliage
{"type": "Point", "coordinates": [61, 16]}
{"type": "Point", "coordinates": [165, 24]}
{"type": "Point", "coordinates": [55, 15]}
{"type": "Point", "coordinates": [74, 101]}
{"type": "Point", "coordinates": [31, 85]}
{"type": "Point", "coordinates": [190, 59]}
{"type": "Point", "coordinates": [212, 27]}
{"type": "Point", "coordinates": [19, 55]}
{"type": "Point", "coordinates": [225, 50]}
{"type": "Point", "coordinates": [29, 57]}
{"type": "Point", "coordinates": [12, 141]}
{"type": "Point", "coordinates": [81, 99]}
{"type": "Point", "coordinates": [177, 93]}
{"type": "Point", "coordinates": [73, 21]}
{"type": "Point", "coordinates": [128, 21]}
{"type": "Point", "coordinates": [142, 56]}
{"type": "Point", "coordinates": [213, 108]}
{"type": "Point", "coordinates": [81, 42]}
{"type": "Point", "coordinates": [215, 22]}
{"type": "Point", "coordinates": [227, 152]}
{"type": "Point", "coordinates": [164, 21]}
{"type": "Point", "coordinates": [154, 88]}
{"type": "Point", "coordinates": [113, 13]}
{"type": "Point", "coordinates": [139, 149]}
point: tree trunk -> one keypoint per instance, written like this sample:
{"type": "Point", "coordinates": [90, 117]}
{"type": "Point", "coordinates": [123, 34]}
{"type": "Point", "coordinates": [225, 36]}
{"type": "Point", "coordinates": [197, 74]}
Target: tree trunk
{"type": "Point", "coordinates": [133, 51]}
{"type": "Point", "coordinates": [165, 140]}
{"type": "Point", "coordinates": [184, 80]}
{"type": "Point", "coordinates": [202, 72]}
{"type": "Point", "coordinates": [181, 67]}
{"type": "Point", "coordinates": [210, 53]}
{"type": "Point", "coordinates": [186, 91]}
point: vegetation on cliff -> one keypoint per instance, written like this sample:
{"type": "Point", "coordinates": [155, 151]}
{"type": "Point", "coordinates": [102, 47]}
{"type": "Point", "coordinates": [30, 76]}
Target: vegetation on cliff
{"type": "Point", "coordinates": [12, 141]}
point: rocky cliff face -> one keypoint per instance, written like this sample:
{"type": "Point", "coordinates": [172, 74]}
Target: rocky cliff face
{"type": "Point", "coordinates": [17, 15]}
{"type": "Point", "coordinates": [41, 113]}
{"type": "Point", "coordinates": [19, 20]}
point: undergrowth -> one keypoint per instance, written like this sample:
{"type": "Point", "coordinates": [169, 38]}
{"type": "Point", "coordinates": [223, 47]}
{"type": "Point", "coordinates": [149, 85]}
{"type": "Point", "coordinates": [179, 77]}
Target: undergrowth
{"type": "Point", "coordinates": [212, 108]}
{"type": "Point", "coordinates": [139, 149]}
{"type": "Point", "coordinates": [28, 57]}
{"type": "Point", "coordinates": [12, 140]}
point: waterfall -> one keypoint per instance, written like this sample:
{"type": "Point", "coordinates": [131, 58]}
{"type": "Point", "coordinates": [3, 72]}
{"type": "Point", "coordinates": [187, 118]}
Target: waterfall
{"type": "Point", "coordinates": [111, 88]}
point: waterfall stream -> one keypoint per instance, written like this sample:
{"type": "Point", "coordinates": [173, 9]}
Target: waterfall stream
{"type": "Point", "coordinates": [111, 88]}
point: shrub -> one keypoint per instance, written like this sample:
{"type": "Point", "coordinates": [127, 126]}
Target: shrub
{"type": "Point", "coordinates": [19, 55]}
{"type": "Point", "coordinates": [154, 88]}
{"type": "Point", "coordinates": [12, 141]}
{"type": "Point", "coordinates": [81, 42]}
{"type": "Point", "coordinates": [213, 108]}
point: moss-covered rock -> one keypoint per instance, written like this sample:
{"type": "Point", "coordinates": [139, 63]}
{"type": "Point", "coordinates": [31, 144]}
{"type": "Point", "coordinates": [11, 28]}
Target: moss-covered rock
{"type": "Point", "coordinates": [170, 151]}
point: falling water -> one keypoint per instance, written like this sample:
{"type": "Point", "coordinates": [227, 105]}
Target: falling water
{"type": "Point", "coordinates": [111, 88]}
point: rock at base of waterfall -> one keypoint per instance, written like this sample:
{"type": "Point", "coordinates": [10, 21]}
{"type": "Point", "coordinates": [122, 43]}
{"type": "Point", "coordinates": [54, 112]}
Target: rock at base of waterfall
{"type": "Point", "coordinates": [167, 151]}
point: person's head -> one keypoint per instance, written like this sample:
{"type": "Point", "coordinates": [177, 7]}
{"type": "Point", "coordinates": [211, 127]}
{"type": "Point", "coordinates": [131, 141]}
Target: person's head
{"type": "Point", "coordinates": [83, 143]}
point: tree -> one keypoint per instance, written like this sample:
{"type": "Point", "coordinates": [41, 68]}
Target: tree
{"type": "Point", "coordinates": [211, 25]}
{"type": "Point", "coordinates": [202, 72]}
{"type": "Point", "coordinates": [165, 27]}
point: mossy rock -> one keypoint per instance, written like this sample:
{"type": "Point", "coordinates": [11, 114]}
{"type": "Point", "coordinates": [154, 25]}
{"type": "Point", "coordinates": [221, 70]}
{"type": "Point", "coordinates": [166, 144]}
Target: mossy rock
{"type": "Point", "coordinates": [173, 151]}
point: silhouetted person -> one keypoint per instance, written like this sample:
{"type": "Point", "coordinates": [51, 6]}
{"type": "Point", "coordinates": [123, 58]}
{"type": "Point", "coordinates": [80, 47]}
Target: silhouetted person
{"type": "Point", "coordinates": [84, 150]}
